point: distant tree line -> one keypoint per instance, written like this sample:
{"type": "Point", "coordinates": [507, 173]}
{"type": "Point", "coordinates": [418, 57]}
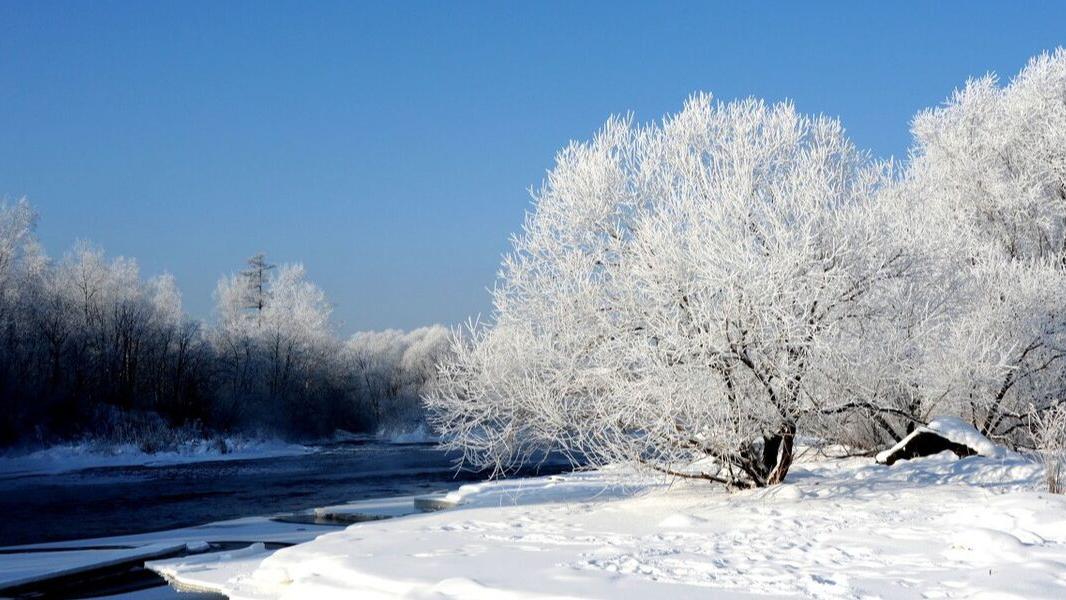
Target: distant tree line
{"type": "Point", "coordinates": [90, 349]}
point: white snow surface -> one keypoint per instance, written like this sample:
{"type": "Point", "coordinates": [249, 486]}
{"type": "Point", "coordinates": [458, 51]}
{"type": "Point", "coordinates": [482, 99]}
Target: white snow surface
{"type": "Point", "coordinates": [955, 430]}
{"type": "Point", "coordinates": [935, 527]}
{"type": "Point", "coordinates": [73, 457]}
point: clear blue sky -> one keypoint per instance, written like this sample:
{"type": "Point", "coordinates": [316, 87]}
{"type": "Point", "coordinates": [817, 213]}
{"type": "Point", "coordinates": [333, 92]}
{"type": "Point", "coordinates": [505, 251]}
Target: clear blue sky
{"type": "Point", "coordinates": [390, 146]}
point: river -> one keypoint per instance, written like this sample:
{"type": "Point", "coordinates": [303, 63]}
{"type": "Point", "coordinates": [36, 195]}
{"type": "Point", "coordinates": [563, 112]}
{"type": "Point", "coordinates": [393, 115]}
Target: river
{"type": "Point", "coordinates": [110, 501]}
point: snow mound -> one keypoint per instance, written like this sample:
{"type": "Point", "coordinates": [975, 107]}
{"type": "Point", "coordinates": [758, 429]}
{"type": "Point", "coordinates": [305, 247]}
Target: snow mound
{"type": "Point", "coordinates": [954, 430]}
{"type": "Point", "coordinates": [989, 544]}
{"type": "Point", "coordinates": [961, 432]}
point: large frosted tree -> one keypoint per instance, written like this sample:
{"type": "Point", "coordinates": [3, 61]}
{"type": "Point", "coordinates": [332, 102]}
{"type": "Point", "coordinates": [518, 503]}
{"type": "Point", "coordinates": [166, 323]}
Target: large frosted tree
{"type": "Point", "coordinates": [681, 291]}
{"type": "Point", "coordinates": [991, 165]}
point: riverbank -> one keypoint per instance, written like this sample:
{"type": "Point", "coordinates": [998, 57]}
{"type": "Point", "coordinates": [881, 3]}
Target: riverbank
{"type": "Point", "coordinates": [841, 528]}
{"type": "Point", "coordinates": [111, 500]}
{"type": "Point", "coordinates": [87, 455]}
{"type": "Point", "coordinates": [87, 533]}
{"type": "Point", "coordinates": [90, 454]}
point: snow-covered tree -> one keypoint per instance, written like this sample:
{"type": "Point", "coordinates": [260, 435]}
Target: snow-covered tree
{"type": "Point", "coordinates": [681, 291]}
{"type": "Point", "coordinates": [992, 162]}
{"type": "Point", "coordinates": [165, 298]}
{"type": "Point", "coordinates": [394, 369]}
{"type": "Point", "coordinates": [283, 365]}
{"type": "Point", "coordinates": [296, 328]}
{"type": "Point", "coordinates": [1048, 431]}
{"type": "Point", "coordinates": [89, 347]}
{"type": "Point", "coordinates": [17, 222]}
{"type": "Point", "coordinates": [996, 156]}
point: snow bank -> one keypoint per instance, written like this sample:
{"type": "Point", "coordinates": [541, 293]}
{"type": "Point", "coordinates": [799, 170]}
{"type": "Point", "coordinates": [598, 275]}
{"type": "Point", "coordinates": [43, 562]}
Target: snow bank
{"type": "Point", "coordinates": [73, 457]}
{"type": "Point", "coordinates": [928, 527]}
{"type": "Point", "coordinates": [367, 510]}
{"type": "Point", "coordinates": [232, 562]}
{"type": "Point", "coordinates": [342, 435]}
{"type": "Point", "coordinates": [418, 435]}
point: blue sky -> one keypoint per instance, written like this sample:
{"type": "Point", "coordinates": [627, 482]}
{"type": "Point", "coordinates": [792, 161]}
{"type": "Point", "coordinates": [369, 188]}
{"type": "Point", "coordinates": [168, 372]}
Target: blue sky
{"type": "Point", "coordinates": [390, 146]}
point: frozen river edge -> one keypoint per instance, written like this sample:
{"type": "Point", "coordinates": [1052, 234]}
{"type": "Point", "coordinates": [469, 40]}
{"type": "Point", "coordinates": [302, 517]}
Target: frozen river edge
{"type": "Point", "coordinates": [841, 528]}
{"type": "Point", "coordinates": [88, 532]}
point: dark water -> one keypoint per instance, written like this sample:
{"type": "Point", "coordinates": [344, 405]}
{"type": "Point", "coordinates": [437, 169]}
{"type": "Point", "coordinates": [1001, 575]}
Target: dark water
{"type": "Point", "coordinates": [112, 501]}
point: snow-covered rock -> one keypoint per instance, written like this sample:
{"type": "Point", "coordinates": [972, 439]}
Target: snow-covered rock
{"type": "Point", "coordinates": [942, 433]}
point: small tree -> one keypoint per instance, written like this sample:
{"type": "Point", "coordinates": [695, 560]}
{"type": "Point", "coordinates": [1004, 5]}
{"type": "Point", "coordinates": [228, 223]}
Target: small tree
{"type": "Point", "coordinates": [1048, 428]}
{"type": "Point", "coordinates": [296, 330]}
{"type": "Point", "coordinates": [17, 223]}
{"type": "Point", "coordinates": [256, 280]}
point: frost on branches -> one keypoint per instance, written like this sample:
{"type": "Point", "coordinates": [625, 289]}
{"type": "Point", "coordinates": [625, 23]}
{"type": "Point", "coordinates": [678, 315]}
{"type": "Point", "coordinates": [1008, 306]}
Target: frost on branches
{"type": "Point", "coordinates": [993, 159]}
{"type": "Point", "coordinates": [682, 291]}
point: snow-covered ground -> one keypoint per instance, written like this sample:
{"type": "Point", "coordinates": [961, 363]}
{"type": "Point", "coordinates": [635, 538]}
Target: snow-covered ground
{"type": "Point", "coordinates": [937, 527]}
{"type": "Point", "coordinates": [72, 457]}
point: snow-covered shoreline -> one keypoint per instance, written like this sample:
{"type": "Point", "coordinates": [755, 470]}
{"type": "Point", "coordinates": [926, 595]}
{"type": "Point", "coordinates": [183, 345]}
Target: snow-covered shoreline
{"type": "Point", "coordinates": [63, 458]}
{"type": "Point", "coordinates": [77, 456]}
{"type": "Point", "coordinates": [841, 528]}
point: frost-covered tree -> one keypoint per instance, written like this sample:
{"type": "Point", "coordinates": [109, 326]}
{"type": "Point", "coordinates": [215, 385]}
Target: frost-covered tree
{"type": "Point", "coordinates": [991, 163]}
{"type": "Point", "coordinates": [282, 361]}
{"type": "Point", "coordinates": [17, 222]}
{"type": "Point", "coordinates": [165, 298]}
{"type": "Point", "coordinates": [1048, 431]}
{"type": "Point", "coordinates": [682, 291]}
{"type": "Point", "coordinates": [88, 347]}
{"type": "Point", "coordinates": [91, 340]}
{"type": "Point", "coordinates": [375, 357]}
{"type": "Point", "coordinates": [296, 328]}
{"type": "Point", "coordinates": [394, 369]}
{"type": "Point", "coordinates": [426, 347]}
{"type": "Point", "coordinates": [996, 156]}
{"type": "Point", "coordinates": [16, 243]}
{"type": "Point", "coordinates": [896, 386]}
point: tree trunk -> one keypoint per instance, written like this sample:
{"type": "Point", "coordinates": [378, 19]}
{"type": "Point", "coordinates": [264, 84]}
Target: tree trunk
{"type": "Point", "coordinates": [779, 453]}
